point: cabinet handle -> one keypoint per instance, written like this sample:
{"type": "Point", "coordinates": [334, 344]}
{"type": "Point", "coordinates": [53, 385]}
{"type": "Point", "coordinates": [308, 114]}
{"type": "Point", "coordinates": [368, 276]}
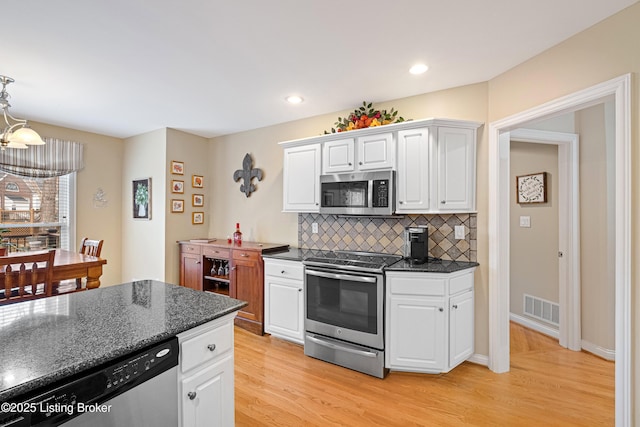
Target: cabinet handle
{"type": "Point", "coordinates": [401, 202]}
{"type": "Point", "coordinates": [441, 309]}
{"type": "Point", "coordinates": [360, 163]}
{"type": "Point", "coordinates": [455, 306]}
{"type": "Point", "coordinates": [233, 268]}
{"type": "Point", "coordinates": [211, 347]}
{"type": "Point", "coordinates": [283, 272]}
{"type": "Point", "coordinates": [351, 164]}
{"type": "Point", "coordinates": [192, 395]}
{"type": "Point", "coordinates": [299, 289]}
{"type": "Point", "coordinates": [442, 202]}
{"type": "Point", "coordinates": [198, 262]}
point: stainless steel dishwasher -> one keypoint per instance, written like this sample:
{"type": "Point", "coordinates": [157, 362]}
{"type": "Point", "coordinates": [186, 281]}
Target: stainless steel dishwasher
{"type": "Point", "coordinates": [140, 389]}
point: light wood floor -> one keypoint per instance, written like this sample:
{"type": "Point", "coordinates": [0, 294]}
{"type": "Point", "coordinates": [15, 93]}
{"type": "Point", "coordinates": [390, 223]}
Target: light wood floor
{"type": "Point", "coordinates": [277, 385]}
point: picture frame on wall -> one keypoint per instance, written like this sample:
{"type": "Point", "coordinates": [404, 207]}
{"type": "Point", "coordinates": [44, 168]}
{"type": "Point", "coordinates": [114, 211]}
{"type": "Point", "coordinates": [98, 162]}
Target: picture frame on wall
{"type": "Point", "coordinates": [531, 188]}
{"type": "Point", "coordinates": [197, 217]}
{"type": "Point", "coordinates": [177, 168]}
{"type": "Point", "coordinates": [141, 198]}
{"type": "Point", "coordinates": [197, 181]}
{"type": "Point", "coordinates": [177, 186]}
{"type": "Point", "coordinates": [177, 205]}
{"type": "Point", "coordinates": [197, 200]}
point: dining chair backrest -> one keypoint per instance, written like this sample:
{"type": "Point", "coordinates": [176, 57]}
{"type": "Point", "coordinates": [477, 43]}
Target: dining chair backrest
{"type": "Point", "coordinates": [91, 247]}
{"type": "Point", "coordinates": [26, 277]}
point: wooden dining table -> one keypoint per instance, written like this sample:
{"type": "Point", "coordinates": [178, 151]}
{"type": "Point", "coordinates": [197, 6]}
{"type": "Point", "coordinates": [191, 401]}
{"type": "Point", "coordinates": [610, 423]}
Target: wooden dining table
{"type": "Point", "coordinates": [73, 265]}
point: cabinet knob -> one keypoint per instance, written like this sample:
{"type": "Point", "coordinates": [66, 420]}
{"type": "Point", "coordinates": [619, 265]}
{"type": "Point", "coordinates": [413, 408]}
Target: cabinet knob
{"type": "Point", "coordinates": [244, 255]}
{"type": "Point", "coordinates": [192, 395]}
{"type": "Point", "coordinates": [455, 306]}
{"type": "Point", "coordinates": [351, 164]}
{"type": "Point", "coordinates": [211, 347]}
{"type": "Point", "coordinates": [442, 202]}
{"type": "Point", "coordinates": [300, 290]}
{"type": "Point", "coordinates": [401, 202]}
{"type": "Point", "coordinates": [360, 163]}
{"type": "Point", "coordinates": [198, 262]}
{"type": "Point", "coordinates": [283, 272]}
{"type": "Point", "coordinates": [441, 309]}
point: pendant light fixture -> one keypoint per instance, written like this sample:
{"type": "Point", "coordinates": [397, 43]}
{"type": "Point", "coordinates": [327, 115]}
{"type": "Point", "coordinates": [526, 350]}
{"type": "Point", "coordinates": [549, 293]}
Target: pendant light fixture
{"type": "Point", "coordinates": [15, 133]}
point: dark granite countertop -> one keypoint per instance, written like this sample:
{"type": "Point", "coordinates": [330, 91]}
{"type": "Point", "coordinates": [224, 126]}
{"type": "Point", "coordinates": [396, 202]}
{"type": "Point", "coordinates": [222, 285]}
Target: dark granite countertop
{"type": "Point", "coordinates": [434, 265]}
{"type": "Point", "coordinates": [49, 339]}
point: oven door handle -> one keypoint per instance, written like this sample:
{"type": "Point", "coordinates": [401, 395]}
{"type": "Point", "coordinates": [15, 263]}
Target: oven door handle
{"type": "Point", "coordinates": [341, 348]}
{"type": "Point", "coordinates": [342, 276]}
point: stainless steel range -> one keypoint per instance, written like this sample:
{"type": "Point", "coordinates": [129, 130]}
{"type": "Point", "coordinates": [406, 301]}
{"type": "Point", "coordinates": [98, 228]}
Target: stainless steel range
{"type": "Point", "coordinates": [344, 309]}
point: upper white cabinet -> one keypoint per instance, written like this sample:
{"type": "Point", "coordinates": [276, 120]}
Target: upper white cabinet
{"type": "Point", "coordinates": [456, 151]}
{"type": "Point", "coordinates": [364, 153]}
{"type": "Point", "coordinates": [338, 156]}
{"type": "Point", "coordinates": [434, 160]}
{"type": "Point", "coordinates": [301, 178]}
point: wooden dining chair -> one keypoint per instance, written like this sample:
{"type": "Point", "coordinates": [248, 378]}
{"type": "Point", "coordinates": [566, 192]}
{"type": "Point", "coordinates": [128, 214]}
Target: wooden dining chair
{"type": "Point", "coordinates": [26, 277]}
{"type": "Point", "coordinates": [89, 247]}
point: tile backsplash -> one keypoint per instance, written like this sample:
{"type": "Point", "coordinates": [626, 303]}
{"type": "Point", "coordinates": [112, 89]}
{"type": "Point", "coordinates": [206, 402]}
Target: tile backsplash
{"type": "Point", "coordinates": [386, 235]}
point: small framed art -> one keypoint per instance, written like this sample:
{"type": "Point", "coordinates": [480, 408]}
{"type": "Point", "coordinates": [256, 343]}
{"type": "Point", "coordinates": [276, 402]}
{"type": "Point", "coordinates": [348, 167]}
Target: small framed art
{"type": "Point", "coordinates": [177, 205]}
{"type": "Point", "coordinates": [197, 217]}
{"type": "Point", "coordinates": [177, 168]}
{"type": "Point", "coordinates": [142, 198]}
{"type": "Point", "coordinates": [197, 200]}
{"type": "Point", "coordinates": [177, 186]}
{"type": "Point", "coordinates": [197, 181]}
{"type": "Point", "coordinates": [532, 188]}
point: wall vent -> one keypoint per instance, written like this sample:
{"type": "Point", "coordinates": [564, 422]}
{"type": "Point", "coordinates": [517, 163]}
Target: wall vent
{"type": "Point", "coordinates": [542, 309]}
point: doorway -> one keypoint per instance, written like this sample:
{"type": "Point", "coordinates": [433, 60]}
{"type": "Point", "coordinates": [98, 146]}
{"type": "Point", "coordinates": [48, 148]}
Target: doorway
{"type": "Point", "coordinates": [499, 140]}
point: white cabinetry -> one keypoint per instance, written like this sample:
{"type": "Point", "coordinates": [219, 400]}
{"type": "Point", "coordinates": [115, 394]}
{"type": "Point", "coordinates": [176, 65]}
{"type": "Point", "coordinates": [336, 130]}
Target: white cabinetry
{"type": "Point", "coordinates": [456, 168]}
{"type": "Point", "coordinates": [284, 299]}
{"type": "Point", "coordinates": [206, 378]}
{"type": "Point", "coordinates": [364, 153]}
{"type": "Point", "coordinates": [429, 320]}
{"type": "Point", "coordinates": [413, 175]}
{"type": "Point", "coordinates": [301, 178]}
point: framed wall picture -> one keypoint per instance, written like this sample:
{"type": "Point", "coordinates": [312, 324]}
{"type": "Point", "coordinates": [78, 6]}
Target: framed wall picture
{"type": "Point", "coordinates": [197, 200]}
{"type": "Point", "coordinates": [177, 168]}
{"type": "Point", "coordinates": [197, 181]}
{"type": "Point", "coordinates": [532, 188]}
{"type": "Point", "coordinates": [197, 217]}
{"type": "Point", "coordinates": [177, 205]}
{"type": "Point", "coordinates": [177, 186]}
{"type": "Point", "coordinates": [141, 198]}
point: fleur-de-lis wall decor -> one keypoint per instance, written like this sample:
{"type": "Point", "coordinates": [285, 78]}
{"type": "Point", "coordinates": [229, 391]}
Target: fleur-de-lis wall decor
{"type": "Point", "coordinates": [247, 173]}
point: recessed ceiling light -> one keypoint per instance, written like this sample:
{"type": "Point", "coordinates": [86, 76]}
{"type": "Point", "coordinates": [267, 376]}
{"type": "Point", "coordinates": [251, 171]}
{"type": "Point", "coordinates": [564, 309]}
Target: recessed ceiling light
{"type": "Point", "coordinates": [418, 69]}
{"type": "Point", "coordinates": [294, 99]}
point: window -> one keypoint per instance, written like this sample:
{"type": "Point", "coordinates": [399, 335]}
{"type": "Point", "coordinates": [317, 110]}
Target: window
{"type": "Point", "coordinates": [37, 212]}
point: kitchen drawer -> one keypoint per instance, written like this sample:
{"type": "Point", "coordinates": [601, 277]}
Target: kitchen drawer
{"type": "Point", "coordinates": [191, 249]}
{"type": "Point", "coordinates": [284, 269]}
{"type": "Point", "coordinates": [416, 285]}
{"type": "Point", "coordinates": [460, 283]}
{"type": "Point", "coordinates": [215, 252]}
{"type": "Point", "coordinates": [246, 255]}
{"type": "Point", "coordinates": [206, 346]}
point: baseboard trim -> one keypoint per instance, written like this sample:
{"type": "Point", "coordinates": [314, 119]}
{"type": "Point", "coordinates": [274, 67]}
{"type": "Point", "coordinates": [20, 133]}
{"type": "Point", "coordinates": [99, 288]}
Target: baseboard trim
{"type": "Point", "coordinates": [601, 352]}
{"type": "Point", "coordinates": [536, 326]}
{"type": "Point", "coordinates": [479, 359]}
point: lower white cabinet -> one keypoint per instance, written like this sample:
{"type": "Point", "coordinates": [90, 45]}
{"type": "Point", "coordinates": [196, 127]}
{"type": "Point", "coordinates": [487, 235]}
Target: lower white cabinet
{"type": "Point", "coordinates": [429, 320]}
{"type": "Point", "coordinates": [205, 377]}
{"type": "Point", "coordinates": [284, 299]}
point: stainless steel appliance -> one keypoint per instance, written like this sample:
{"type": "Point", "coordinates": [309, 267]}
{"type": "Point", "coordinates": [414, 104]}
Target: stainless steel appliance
{"type": "Point", "coordinates": [416, 245]}
{"type": "Point", "coordinates": [368, 193]}
{"type": "Point", "coordinates": [344, 309]}
{"type": "Point", "coordinates": [140, 389]}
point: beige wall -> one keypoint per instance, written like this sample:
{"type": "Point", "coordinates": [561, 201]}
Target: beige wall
{"type": "Point", "coordinates": [602, 52]}
{"type": "Point", "coordinates": [143, 241]}
{"type": "Point", "coordinates": [534, 250]}
{"type": "Point", "coordinates": [103, 169]}
{"type": "Point", "coordinates": [193, 152]}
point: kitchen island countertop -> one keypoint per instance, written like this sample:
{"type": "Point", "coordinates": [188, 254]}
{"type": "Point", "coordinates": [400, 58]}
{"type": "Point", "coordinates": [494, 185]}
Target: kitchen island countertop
{"type": "Point", "coordinates": [50, 339]}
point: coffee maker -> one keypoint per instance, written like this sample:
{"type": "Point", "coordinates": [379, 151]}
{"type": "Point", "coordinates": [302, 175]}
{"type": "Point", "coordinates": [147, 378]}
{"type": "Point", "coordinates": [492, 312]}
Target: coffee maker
{"type": "Point", "coordinates": [416, 244]}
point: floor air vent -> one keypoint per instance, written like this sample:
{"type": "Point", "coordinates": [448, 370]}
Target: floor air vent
{"type": "Point", "coordinates": [542, 309]}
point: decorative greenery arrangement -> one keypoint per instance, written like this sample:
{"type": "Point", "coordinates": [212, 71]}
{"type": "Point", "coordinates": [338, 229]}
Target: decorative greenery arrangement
{"type": "Point", "coordinates": [365, 117]}
{"type": "Point", "coordinates": [142, 195]}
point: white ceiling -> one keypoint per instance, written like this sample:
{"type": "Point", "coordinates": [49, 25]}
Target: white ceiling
{"type": "Point", "coordinates": [125, 67]}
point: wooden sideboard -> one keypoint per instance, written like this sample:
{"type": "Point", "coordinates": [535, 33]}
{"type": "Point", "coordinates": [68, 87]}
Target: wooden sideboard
{"type": "Point", "coordinates": [228, 269]}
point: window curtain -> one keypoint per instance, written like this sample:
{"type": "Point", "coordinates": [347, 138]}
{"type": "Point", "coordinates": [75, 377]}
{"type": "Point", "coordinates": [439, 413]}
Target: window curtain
{"type": "Point", "coordinates": [55, 158]}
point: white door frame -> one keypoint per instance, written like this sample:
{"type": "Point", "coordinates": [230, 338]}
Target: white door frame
{"type": "Point", "coordinates": [570, 334]}
{"type": "Point", "coordinates": [620, 88]}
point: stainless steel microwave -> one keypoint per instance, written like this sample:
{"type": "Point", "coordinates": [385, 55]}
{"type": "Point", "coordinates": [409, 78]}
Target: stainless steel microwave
{"type": "Point", "coordinates": [360, 193]}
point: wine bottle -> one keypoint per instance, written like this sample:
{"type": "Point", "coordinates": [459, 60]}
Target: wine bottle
{"type": "Point", "coordinates": [237, 235]}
